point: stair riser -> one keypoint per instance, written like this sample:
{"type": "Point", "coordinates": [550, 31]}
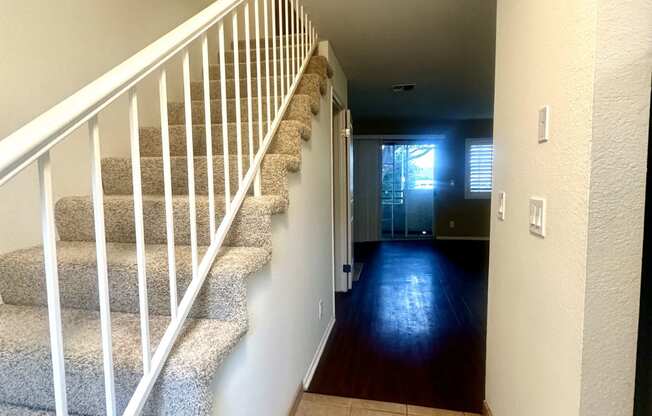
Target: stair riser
{"type": "Point", "coordinates": [26, 373]}
{"type": "Point", "coordinates": [36, 373]}
{"type": "Point", "coordinates": [301, 109]}
{"type": "Point", "coordinates": [317, 65]}
{"type": "Point", "coordinates": [222, 297]}
{"type": "Point", "coordinates": [117, 178]}
{"type": "Point", "coordinates": [74, 219]}
{"type": "Point", "coordinates": [242, 54]}
{"type": "Point", "coordinates": [286, 141]}
{"type": "Point", "coordinates": [280, 39]}
{"type": "Point", "coordinates": [305, 87]}
{"type": "Point", "coordinates": [214, 70]}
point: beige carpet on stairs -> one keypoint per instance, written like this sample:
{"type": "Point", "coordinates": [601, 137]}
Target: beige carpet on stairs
{"type": "Point", "coordinates": [219, 318]}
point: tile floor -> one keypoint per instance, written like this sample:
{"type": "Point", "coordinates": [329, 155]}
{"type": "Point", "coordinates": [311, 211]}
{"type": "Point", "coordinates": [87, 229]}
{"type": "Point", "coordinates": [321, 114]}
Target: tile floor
{"type": "Point", "coordinates": [320, 405]}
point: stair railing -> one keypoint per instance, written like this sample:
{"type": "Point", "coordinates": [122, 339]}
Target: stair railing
{"type": "Point", "coordinates": [295, 43]}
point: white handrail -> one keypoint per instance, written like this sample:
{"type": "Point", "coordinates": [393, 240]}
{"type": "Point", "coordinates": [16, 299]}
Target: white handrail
{"type": "Point", "coordinates": [27, 144]}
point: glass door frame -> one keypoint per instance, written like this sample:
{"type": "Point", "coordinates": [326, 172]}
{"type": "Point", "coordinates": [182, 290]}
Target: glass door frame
{"type": "Point", "coordinates": [405, 233]}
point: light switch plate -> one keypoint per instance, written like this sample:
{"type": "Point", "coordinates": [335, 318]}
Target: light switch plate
{"type": "Point", "coordinates": [537, 216]}
{"type": "Point", "coordinates": [501, 205]}
{"type": "Point", "coordinates": [544, 124]}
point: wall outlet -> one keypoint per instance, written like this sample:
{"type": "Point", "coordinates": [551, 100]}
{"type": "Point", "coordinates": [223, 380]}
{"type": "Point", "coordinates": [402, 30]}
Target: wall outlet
{"type": "Point", "coordinates": [451, 224]}
{"type": "Point", "coordinates": [321, 309]}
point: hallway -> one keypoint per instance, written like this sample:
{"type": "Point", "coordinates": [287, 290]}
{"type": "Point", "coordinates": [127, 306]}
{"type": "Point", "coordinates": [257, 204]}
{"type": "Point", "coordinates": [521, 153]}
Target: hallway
{"type": "Point", "coordinates": [413, 328]}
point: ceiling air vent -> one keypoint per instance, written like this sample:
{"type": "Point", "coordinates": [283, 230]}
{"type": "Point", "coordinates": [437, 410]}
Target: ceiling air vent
{"type": "Point", "coordinates": [403, 87]}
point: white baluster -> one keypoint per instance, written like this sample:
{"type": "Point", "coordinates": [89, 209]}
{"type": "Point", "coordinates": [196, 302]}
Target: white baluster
{"type": "Point", "coordinates": [267, 76]}
{"type": "Point", "coordinates": [295, 58]}
{"type": "Point", "coordinates": [190, 158]}
{"type": "Point", "coordinates": [238, 115]}
{"type": "Point", "coordinates": [52, 283]}
{"type": "Point", "coordinates": [287, 47]}
{"type": "Point", "coordinates": [281, 61]}
{"type": "Point", "coordinates": [257, 181]}
{"type": "Point", "coordinates": [209, 137]}
{"type": "Point", "coordinates": [140, 229]}
{"type": "Point", "coordinates": [306, 46]}
{"type": "Point", "coordinates": [250, 118]}
{"type": "Point", "coordinates": [274, 36]}
{"type": "Point", "coordinates": [304, 42]}
{"type": "Point", "coordinates": [297, 30]}
{"type": "Point", "coordinates": [102, 271]}
{"type": "Point", "coordinates": [167, 185]}
{"type": "Point", "coordinates": [225, 121]}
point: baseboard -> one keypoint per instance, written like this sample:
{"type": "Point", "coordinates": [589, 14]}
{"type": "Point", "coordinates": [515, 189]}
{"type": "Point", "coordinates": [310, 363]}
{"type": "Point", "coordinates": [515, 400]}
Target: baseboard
{"type": "Point", "coordinates": [320, 350]}
{"type": "Point", "coordinates": [470, 238]}
{"type": "Point", "coordinates": [486, 410]}
{"type": "Point", "coordinates": [297, 401]}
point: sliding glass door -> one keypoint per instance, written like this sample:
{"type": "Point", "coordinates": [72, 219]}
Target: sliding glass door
{"type": "Point", "coordinates": [408, 190]}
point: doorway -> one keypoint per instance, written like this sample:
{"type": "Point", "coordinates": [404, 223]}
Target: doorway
{"type": "Point", "coordinates": [407, 200]}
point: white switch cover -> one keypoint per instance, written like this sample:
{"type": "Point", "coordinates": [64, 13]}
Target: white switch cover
{"type": "Point", "coordinates": [538, 216]}
{"type": "Point", "coordinates": [501, 206]}
{"type": "Point", "coordinates": [544, 124]}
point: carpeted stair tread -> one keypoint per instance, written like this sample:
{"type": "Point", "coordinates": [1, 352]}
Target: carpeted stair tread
{"type": "Point", "coordinates": [251, 227]}
{"type": "Point", "coordinates": [11, 410]}
{"type": "Point", "coordinates": [287, 139]}
{"type": "Point", "coordinates": [22, 280]}
{"type": "Point", "coordinates": [302, 108]}
{"type": "Point", "coordinates": [117, 174]}
{"type": "Point", "coordinates": [184, 385]}
{"type": "Point", "coordinates": [310, 84]}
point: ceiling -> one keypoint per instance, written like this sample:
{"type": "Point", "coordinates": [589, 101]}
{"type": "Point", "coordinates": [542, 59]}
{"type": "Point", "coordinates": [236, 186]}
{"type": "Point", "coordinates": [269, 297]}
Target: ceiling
{"type": "Point", "coordinates": [446, 47]}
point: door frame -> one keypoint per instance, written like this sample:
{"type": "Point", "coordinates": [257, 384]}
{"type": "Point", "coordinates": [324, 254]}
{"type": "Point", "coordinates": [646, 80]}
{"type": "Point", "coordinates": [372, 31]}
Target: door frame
{"type": "Point", "coordinates": [407, 140]}
{"type": "Point", "coordinates": [342, 195]}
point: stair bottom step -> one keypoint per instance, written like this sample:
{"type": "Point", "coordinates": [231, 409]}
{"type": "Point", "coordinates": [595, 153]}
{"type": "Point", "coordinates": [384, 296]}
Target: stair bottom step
{"type": "Point", "coordinates": [26, 367]}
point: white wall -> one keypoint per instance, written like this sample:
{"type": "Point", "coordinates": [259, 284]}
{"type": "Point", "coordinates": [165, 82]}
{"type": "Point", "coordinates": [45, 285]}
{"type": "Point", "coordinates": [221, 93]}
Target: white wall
{"type": "Point", "coordinates": [265, 372]}
{"type": "Point", "coordinates": [563, 309]}
{"type": "Point", "coordinates": [621, 102]}
{"type": "Point", "coordinates": [340, 81]}
{"type": "Point", "coordinates": [51, 49]}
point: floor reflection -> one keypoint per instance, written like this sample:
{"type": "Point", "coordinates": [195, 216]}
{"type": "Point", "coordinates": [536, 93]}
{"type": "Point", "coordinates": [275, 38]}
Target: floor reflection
{"type": "Point", "coordinates": [413, 328]}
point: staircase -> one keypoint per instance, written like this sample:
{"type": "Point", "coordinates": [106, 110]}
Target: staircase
{"type": "Point", "coordinates": [217, 317]}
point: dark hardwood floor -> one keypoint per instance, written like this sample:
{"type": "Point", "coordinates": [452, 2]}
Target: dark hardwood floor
{"type": "Point", "coordinates": [413, 328]}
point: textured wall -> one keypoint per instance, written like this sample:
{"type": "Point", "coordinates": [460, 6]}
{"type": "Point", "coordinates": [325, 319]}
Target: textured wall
{"type": "Point", "coordinates": [623, 65]}
{"type": "Point", "coordinates": [563, 310]}
{"type": "Point", "coordinates": [536, 286]}
{"type": "Point", "coordinates": [49, 51]}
